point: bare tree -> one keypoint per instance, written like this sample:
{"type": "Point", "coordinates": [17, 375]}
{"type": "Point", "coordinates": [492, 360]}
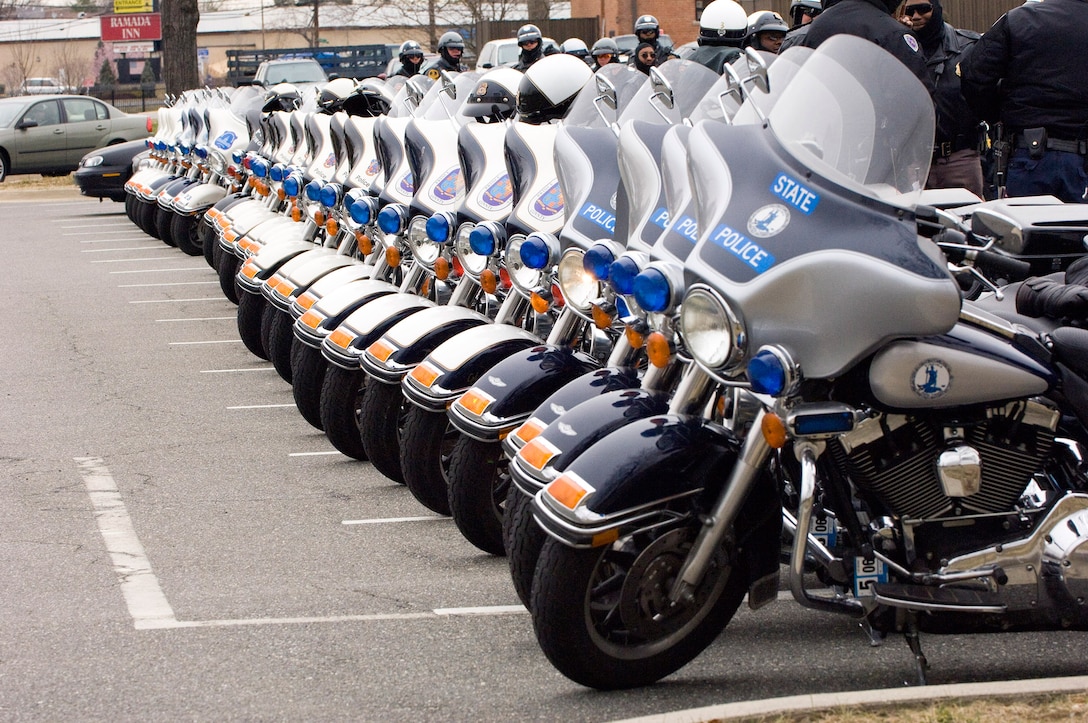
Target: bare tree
{"type": "Point", "coordinates": [9, 9]}
{"type": "Point", "coordinates": [433, 15]}
{"type": "Point", "coordinates": [179, 62]}
{"type": "Point", "coordinates": [73, 66]}
{"type": "Point", "coordinates": [24, 58]}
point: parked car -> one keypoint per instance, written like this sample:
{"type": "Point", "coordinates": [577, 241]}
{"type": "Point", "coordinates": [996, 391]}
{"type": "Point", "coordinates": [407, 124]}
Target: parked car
{"type": "Point", "coordinates": [102, 172]}
{"type": "Point", "coordinates": [42, 86]}
{"type": "Point", "coordinates": [298, 71]}
{"type": "Point", "coordinates": [51, 135]}
{"type": "Point", "coordinates": [504, 53]}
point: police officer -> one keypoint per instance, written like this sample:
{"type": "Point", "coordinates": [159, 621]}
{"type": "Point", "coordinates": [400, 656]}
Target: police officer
{"type": "Point", "coordinates": [802, 12]}
{"type": "Point", "coordinates": [411, 58]}
{"type": "Point", "coordinates": [604, 52]}
{"type": "Point", "coordinates": [956, 160]}
{"type": "Point", "coordinates": [722, 28]}
{"type": "Point", "coordinates": [451, 46]}
{"type": "Point", "coordinates": [1028, 71]}
{"type": "Point", "coordinates": [766, 31]}
{"type": "Point", "coordinates": [872, 20]}
{"type": "Point", "coordinates": [531, 43]}
{"type": "Point", "coordinates": [648, 30]}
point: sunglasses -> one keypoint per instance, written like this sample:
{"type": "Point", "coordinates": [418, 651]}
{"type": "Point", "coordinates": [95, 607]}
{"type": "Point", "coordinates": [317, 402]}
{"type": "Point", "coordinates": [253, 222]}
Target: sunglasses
{"type": "Point", "coordinates": [604, 56]}
{"type": "Point", "coordinates": [647, 56]}
{"type": "Point", "coordinates": [917, 10]}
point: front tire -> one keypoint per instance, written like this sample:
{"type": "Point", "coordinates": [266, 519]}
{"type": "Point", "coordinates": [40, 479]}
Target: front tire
{"type": "Point", "coordinates": [341, 395]}
{"type": "Point", "coordinates": [185, 230]}
{"type": "Point", "coordinates": [228, 276]}
{"type": "Point", "coordinates": [523, 539]}
{"type": "Point", "coordinates": [478, 485]}
{"type": "Point", "coordinates": [277, 334]}
{"type": "Point", "coordinates": [307, 377]}
{"type": "Point", "coordinates": [381, 418]}
{"type": "Point", "coordinates": [603, 617]}
{"type": "Point", "coordinates": [425, 445]}
{"type": "Point", "coordinates": [163, 221]}
{"type": "Point", "coordinates": [250, 312]}
{"type": "Point", "coordinates": [209, 244]}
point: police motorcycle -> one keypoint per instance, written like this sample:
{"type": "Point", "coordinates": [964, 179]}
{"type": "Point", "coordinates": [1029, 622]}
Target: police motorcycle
{"type": "Point", "coordinates": [944, 439]}
{"type": "Point", "coordinates": [413, 439]}
{"type": "Point", "coordinates": [599, 211]}
{"type": "Point", "coordinates": [607, 398]}
{"type": "Point", "coordinates": [159, 162]}
{"type": "Point", "coordinates": [217, 161]}
{"type": "Point", "coordinates": [422, 177]}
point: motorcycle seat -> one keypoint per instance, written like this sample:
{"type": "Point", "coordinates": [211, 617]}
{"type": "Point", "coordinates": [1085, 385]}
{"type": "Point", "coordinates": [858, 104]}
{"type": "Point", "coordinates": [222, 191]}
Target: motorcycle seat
{"type": "Point", "coordinates": [1071, 348]}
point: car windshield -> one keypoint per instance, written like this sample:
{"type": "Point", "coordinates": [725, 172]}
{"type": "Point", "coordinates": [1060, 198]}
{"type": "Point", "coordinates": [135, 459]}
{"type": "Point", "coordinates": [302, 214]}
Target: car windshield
{"type": "Point", "coordinates": [9, 111]}
{"type": "Point", "coordinates": [301, 72]}
{"type": "Point", "coordinates": [507, 54]}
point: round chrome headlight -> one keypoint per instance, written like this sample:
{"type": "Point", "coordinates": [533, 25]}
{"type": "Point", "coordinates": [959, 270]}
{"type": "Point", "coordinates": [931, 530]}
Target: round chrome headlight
{"type": "Point", "coordinates": [218, 163]}
{"type": "Point", "coordinates": [711, 331]}
{"type": "Point", "coordinates": [579, 287]}
{"type": "Point", "coordinates": [473, 263]}
{"type": "Point", "coordinates": [525, 279]}
{"type": "Point", "coordinates": [423, 248]}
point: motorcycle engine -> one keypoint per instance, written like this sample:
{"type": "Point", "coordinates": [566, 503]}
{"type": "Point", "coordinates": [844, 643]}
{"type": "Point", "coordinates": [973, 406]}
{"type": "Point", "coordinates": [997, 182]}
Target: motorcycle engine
{"type": "Point", "coordinates": [894, 459]}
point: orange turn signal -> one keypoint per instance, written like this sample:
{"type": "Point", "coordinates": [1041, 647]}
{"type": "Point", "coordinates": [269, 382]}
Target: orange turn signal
{"type": "Point", "coordinates": [312, 319]}
{"type": "Point", "coordinates": [774, 430]}
{"type": "Point", "coordinates": [530, 430]}
{"type": "Point", "coordinates": [475, 401]}
{"type": "Point", "coordinates": [424, 373]}
{"type": "Point", "coordinates": [381, 350]}
{"type": "Point", "coordinates": [319, 218]}
{"type": "Point", "coordinates": [634, 337]}
{"type": "Point", "coordinates": [306, 300]}
{"type": "Point", "coordinates": [538, 453]}
{"type": "Point", "coordinates": [568, 491]}
{"type": "Point", "coordinates": [441, 268]}
{"type": "Point", "coordinates": [392, 256]}
{"type": "Point", "coordinates": [366, 246]}
{"type": "Point", "coordinates": [488, 282]}
{"type": "Point", "coordinates": [332, 227]}
{"type": "Point", "coordinates": [601, 318]}
{"type": "Point", "coordinates": [341, 338]}
{"type": "Point", "coordinates": [540, 303]}
{"type": "Point", "coordinates": [658, 349]}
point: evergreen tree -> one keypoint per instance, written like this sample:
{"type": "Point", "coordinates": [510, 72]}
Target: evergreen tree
{"type": "Point", "coordinates": [106, 77]}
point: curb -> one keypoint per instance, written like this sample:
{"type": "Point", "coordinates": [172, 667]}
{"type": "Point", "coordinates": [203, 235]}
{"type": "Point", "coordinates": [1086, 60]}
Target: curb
{"type": "Point", "coordinates": [822, 701]}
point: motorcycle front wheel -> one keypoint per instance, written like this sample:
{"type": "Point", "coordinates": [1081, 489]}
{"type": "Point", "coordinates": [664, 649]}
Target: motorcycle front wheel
{"type": "Point", "coordinates": [228, 273]}
{"type": "Point", "coordinates": [185, 231]}
{"type": "Point", "coordinates": [522, 539]}
{"type": "Point", "coordinates": [478, 481]}
{"type": "Point", "coordinates": [163, 221]}
{"type": "Point", "coordinates": [307, 376]}
{"type": "Point", "coordinates": [209, 244]}
{"type": "Point", "coordinates": [341, 396]}
{"type": "Point", "coordinates": [250, 313]}
{"type": "Point", "coordinates": [425, 445]}
{"type": "Point", "coordinates": [603, 616]}
{"type": "Point", "coordinates": [277, 335]}
{"type": "Point", "coordinates": [381, 418]}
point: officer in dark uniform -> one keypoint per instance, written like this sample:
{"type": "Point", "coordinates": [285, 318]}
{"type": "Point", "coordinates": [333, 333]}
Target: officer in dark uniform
{"type": "Point", "coordinates": [1029, 71]}
{"type": "Point", "coordinates": [648, 30]}
{"type": "Point", "coordinates": [451, 46]}
{"type": "Point", "coordinates": [411, 58]}
{"type": "Point", "coordinates": [722, 28]}
{"type": "Point", "coordinates": [531, 43]}
{"type": "Point", "coordinates": [872, 20]}
{"type": "Point", "coordinates": [956, 160]}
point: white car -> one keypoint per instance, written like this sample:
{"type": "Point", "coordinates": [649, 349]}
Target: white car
{"type": "Point", "coordinates": [504, 53]}
{"type": "Point", "coordinates": [42, 86]}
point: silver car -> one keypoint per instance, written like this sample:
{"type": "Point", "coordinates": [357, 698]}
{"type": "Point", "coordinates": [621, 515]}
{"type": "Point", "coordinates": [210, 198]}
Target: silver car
{"type": "Point", "coordinates": [51, 134]}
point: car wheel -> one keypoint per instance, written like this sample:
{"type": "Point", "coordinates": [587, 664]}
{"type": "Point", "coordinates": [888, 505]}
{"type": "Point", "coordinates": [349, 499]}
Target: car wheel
{"type": "Point", "coordinates": [3, 165]}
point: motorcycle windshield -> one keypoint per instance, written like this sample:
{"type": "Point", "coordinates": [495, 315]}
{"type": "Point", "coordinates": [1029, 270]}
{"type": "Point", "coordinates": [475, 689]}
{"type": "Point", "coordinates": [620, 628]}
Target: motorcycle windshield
{"type": "Point", "coordinates": [808, 240]}
{"type": "Point", "coordinates": [591, 110]}
{"type": "Point", "coordinates": [440, 104]}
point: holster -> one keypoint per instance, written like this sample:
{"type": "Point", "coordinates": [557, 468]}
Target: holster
{"type": "Point", "coordinates": [1034, 139]}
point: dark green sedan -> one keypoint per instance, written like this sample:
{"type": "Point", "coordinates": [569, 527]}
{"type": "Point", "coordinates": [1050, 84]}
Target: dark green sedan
{"type": "Point", "coordinates": [49, 135]}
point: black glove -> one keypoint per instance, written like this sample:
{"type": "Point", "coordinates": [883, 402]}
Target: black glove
{"type": "Point", "coordinates": [1045, 297]}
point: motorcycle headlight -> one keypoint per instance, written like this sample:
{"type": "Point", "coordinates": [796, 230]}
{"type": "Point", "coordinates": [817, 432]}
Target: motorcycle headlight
{"type": "Point", "coordinates": [440, 227]}
{"type": "Point", "coordinates": [423, 248]}
{"type": "Point", "coordinates": [711, 330]}
{"type": "Point", "coordinates": [218, 163]}
{"type": "Point", "coordinates": [330, 194]}
{"type": "Point", "coordinates": [292, 185]}
{"type": "Point", "coordinates": [579, 288]}
{"type": "Point", "coordinates": [313, 191]}
{"type": "Point", "coordinates": [540, 250]}
{"type": "Point", "coordinates": [524, 278]}
{"type": "Point", "coordinates": [393, 219]}
{"type": "Point", "coordinates": [474, 263]}
{"type": "Point", "coordinates": [92, 161]}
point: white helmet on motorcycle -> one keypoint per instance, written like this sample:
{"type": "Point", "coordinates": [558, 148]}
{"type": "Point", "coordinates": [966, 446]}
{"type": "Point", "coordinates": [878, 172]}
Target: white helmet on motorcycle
{"type": "Point", "coordinates": [332, 96]}
{"type": "Point", "coordinates": [495, 95]}
{"type": "Point", "coordinates": [282, 96]}
{"type": "Point", "coordinates": [723, 22]}
{"type": "Point", "coordinates": [549, 87]}
{"type": "Point", "coordinates": [576, 47]}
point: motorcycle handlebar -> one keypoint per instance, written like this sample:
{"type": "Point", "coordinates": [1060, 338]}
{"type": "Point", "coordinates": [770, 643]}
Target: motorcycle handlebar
{"type": "Point", "coordinates": [957, 250]}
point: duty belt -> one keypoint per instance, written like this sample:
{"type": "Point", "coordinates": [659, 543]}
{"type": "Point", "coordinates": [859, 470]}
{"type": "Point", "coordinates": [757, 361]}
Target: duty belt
{"type": "Point", "coordinates": [947, 148]}
{"type": "Point", "coordinates": [1057, 144]}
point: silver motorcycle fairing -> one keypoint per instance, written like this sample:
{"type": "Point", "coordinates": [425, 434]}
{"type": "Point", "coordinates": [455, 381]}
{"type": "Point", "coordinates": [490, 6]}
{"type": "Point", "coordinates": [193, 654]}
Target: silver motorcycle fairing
{"type": "Point", "coordinates": [346, 343]}
{"type": "Point", "coordinates": [588, 175]}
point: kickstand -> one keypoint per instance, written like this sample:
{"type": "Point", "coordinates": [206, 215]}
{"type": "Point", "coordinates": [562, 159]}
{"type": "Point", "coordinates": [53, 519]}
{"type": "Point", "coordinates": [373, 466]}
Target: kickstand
{"type": "Point", "coordinates": [876, 637]}
{"type": "Point", "coordinates": [920, 664]}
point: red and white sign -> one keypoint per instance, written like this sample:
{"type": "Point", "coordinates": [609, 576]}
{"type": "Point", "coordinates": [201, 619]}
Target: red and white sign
{"type": "Point", "coordinates": [131, 27]}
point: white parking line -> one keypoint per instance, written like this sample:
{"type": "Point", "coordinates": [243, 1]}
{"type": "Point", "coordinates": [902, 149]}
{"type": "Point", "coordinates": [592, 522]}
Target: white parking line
{"type": "Point", "coordinates": [113, 239]}
{"type": "Point", "coordinates": [200, 318]}
{"type": "Point", "coordinates": [152, 271]}
{"type": "Point", "coordinates": [493, 610]}
{"type": "Point", "coordinates": [195, 343]}
{"type": "Point", "coordinates": [263, 406]}
{"type": "Point", "coordinates": [156, 259]}
{"type": "Point", "coordinates": [231, 371]}
{"type": "Point", "coordinates": [145, 600]}
{"type": "Point", "coordinates": [314, 454]}
{"type": "Point", "coordinates": [169, 283]}
{"type": "Point", "coordinates": [390, 520]}
{"type": "Point", "coordinates": [176, 301]}
{"type": "Point", "coordinates": [130, 248]}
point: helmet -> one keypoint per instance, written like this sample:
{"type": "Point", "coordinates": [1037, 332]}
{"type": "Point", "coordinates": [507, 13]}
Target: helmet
{"type": "Point", "coordinates": [451, 39]}
{"type": "Point", "coordinates": [723, 22]}
{"type": "Point", "coordinates": [812, 8]}
{"type": "Point", "coordinates": [410, 47]}
{"type": "Point", "coordinates": [575, 47]}
{"type": "Point", "coordinates": [549, 87]}
{"type": "Point", "coordinates": [647, 22]}
{"type": "Point", "coordinates": [495, 95]}
{"type": "Point", "coordinates": [282, 96]}
{"type": "Point", "coordinates": [372, 97]}
{"type": "Point", "coordinates": [605, 45]}
{"type": "Point", "coordinates": [764, 21]}
{"type": "Point", "coordinates": [331, 98]}
{"type": "Point", "coordinates": [528, 34]}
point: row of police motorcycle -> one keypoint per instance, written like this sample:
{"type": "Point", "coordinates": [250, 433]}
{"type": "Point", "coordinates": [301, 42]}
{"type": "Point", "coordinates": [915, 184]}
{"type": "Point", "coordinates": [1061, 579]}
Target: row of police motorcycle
{"type": "Point", "coordinates": [662, 339]}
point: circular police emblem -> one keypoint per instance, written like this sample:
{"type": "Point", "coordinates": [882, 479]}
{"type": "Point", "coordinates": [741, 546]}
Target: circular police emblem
{"type": "Point", "coordinates": [769, 220]}
{"type": "Point", "coordinates": [931, 379]}
{"type": "Point", "coordinates": [911, 41]}
{"type": "Point", "coordinates": [612, 201]}
{"type": "Point", "coordinates": [433, 74]}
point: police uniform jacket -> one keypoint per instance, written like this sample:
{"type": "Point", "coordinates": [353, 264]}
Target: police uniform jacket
{"type": "Point", "coordinates": [440, 63]}
{"type": "Point", "coordinates": [957, 122]}
{"type": "Point", "coordinates": [1030, 69]}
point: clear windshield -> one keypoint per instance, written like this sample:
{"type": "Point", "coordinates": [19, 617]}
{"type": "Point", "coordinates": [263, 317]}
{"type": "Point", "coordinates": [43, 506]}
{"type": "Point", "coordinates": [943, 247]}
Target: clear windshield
{"type": "Point", "coordinates": [858, 116]}
{"type": "Point", "coordinates": [681, 85]}
{"type": "Point", "coordinates": [442, 105]}
{"type": "Point", "coordinates": [587, 109]}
